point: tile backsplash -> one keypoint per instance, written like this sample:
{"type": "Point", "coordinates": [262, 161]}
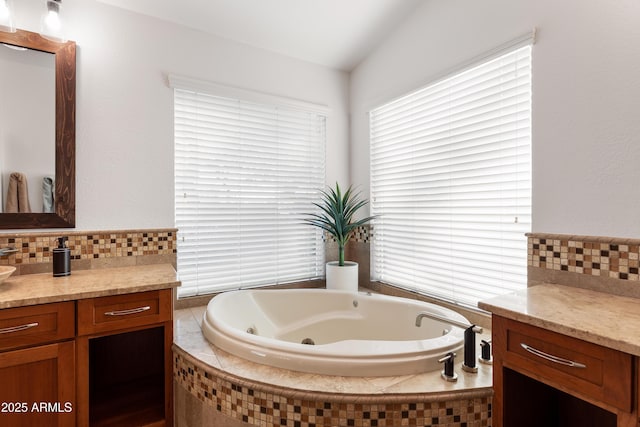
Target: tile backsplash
{"type": "Point", "coordinates": [362, 234]}
{"type": "Point", "coordinates": [606, 264]}
{"type": "Point", "coordinates": [89, 249]}
{"type": "Point", "coordinates": [595, 256]}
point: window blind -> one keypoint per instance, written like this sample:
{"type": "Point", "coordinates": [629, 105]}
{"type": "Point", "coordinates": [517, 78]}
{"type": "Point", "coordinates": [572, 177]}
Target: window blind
{"type": "Point", "coordinates": [451, 182]}
{"type": "Point", "coordinates": [245, 173]}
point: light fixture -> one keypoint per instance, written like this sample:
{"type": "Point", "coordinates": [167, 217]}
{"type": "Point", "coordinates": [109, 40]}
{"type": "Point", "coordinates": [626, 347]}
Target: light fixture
{"type": "Point", "coordinates": [6, 17]}
{"type": "Point", "coordinates": [51, 24]}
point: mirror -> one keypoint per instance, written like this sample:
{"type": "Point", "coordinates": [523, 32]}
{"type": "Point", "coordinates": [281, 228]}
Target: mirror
{"type": "Point", "coordinates": [64, 54]}
{"type": "Point", "coordinates": [28, 88]}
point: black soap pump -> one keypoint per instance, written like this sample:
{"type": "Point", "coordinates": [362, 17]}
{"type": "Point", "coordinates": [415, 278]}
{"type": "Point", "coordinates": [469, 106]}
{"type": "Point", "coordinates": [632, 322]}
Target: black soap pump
{"type": "Point", "coordinates": [61, 259]}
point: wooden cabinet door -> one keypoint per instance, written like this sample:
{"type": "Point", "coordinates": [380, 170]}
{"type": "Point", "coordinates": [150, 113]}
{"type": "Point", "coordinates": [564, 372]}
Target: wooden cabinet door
{"type": "Point", "coordinates": [37, 386]}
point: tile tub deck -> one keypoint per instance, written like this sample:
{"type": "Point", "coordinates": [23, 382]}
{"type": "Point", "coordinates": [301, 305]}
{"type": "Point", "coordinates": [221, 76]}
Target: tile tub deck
{"type": "Point", "coordinates": [238, 392]}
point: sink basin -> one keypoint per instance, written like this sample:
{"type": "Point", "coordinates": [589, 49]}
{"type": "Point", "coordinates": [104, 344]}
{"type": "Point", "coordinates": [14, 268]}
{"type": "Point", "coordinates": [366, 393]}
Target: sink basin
{"type": "Point", "coordinates": [5, 272]}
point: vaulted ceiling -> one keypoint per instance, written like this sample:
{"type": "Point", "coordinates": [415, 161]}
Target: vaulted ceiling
{"type": "Point", "coordinates": [334, 33]}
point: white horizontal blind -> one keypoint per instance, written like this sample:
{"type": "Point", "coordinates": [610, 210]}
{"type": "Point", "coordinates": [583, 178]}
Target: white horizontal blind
{"type": "Point", "coordinates": [245, 174]}
{"type": "Point", "coordinates": [451, 183]}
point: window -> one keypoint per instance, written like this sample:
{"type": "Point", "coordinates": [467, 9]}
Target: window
{"type": "Point", "coordinates": [245, 173]}
{"type": "Point", "coordinates": [451, 182]}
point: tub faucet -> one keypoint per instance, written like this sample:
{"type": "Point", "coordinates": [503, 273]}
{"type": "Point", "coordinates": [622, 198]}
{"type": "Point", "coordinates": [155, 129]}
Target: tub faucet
{"type": "Point", "coordinates": [470, 331]}
{"type": "Point", "coordinates": [444, 319]}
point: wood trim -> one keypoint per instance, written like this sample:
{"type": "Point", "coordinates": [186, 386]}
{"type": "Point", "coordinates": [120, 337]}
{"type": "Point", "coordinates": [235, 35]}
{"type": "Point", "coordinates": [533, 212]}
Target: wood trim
{"type": "Point", "coordinates": [28, 355]}
{"type": "Point", "coordinates": [168, 363]}
{"type": "Point", "coordinates": [82, 382]}
{"type": "Point", "coordinates": [168, 373]}
{"type": "Point", "coordinates": [499, 342]}
{"type": "Point", "coordinates": [636, 391]}
{"type": "Point", "coordinates": [65, 138]}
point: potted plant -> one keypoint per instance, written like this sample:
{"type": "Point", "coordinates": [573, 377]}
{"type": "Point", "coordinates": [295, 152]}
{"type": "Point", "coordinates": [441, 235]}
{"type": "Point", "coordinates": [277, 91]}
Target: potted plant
{"type": "Point", "coordinates": [336, 218]}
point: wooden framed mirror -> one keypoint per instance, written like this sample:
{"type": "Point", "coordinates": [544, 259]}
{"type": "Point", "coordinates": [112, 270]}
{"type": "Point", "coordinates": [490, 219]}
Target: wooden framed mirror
{"type": "Point", "coordinates": [63, 215]}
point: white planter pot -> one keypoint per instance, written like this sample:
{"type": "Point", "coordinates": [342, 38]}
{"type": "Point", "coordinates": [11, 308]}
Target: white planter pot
{"type": "Point", "coordinates": [342, 278]}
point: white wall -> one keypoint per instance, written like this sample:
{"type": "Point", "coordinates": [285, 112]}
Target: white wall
{"type": "Point", "coordinates": [125, 106]}
{"type": "Point", "coordinates": [586, 98]}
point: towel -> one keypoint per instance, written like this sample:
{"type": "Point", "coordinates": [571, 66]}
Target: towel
{"type": "Point", "coordinates": [47, 194]}
{"type": "Point", "coordinates": [17, 194]}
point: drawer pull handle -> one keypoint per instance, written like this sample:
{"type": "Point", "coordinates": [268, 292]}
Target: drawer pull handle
{"type": "Point", "coordinates": [127, 312]}
{"type": "Point", "coordinates": [551, 357]}
{"type": "Point", "coordinates": [18, 328]}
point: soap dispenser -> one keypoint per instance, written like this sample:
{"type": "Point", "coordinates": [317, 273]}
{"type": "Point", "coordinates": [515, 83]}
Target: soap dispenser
{"type": "Point", "coordinates": [61, 259]}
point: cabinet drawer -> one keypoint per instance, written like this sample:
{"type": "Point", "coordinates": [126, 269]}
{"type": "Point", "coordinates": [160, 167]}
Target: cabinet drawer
{"type": "Point", "coordinates": [36, 324]}
{"type": "Point", "coordinates": [106, 314]}
{"type": "Point", "coordinates": [575, 366]}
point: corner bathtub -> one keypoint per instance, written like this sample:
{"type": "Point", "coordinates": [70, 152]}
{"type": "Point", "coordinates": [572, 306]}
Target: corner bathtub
{"type": "Point", "coordinates": [345, 334]}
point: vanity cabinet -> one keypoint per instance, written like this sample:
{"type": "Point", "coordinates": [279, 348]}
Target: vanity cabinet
{"type": "Point", "coordinates": [102, 361]}
{"type": "Point", "coordinates": [37, 365]}
{"type": "Point", "coordinates": [546, 378]}
{"type": "Point", "coordinates": [124, 360]}
{"type": "Point", "coordinates": [89, 349]}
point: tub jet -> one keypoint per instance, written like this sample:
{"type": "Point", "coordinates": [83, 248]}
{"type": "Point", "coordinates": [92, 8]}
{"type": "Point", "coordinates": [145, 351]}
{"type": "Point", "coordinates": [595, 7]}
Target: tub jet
{"type": "Point", "coordinates": [308, 341]}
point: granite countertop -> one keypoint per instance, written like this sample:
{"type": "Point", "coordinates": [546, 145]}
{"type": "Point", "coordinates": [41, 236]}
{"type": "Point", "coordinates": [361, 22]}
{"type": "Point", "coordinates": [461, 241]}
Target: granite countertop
{"type": "Point", "coordinates": [31, 289]}
{"type": "Point", "coordinates": [608, 320]}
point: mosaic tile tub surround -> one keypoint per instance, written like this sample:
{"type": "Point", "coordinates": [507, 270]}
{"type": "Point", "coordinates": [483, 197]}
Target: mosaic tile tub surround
{"type": "Point", "coordinates": [262, 405]}
{"type": "Point", "coordinates": [604, 257]}
{"type": "Point", "coordinates": [216, 388]}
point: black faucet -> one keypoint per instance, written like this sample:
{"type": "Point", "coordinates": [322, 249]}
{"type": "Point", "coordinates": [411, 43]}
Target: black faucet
{"type": "Point", "coordinates": [485, 356]}
{"type": "Point", "coordinates": [447, 373]}
{"type": "Point", "coordinates": [470, 331]}
{"type": "Point", "coordinates": [469, 364]}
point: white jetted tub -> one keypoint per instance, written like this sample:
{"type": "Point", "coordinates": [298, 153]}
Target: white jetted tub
{"type": "Point", "coordinates": [331, 332]}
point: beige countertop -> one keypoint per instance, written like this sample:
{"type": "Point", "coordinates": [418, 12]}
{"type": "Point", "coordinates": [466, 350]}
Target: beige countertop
{"type": "Point", "coordinates": [31, 289]}
{"type": "Point", "coordinates": [600, 318]}
{"type": "Point", "coordinates": [189, 338]}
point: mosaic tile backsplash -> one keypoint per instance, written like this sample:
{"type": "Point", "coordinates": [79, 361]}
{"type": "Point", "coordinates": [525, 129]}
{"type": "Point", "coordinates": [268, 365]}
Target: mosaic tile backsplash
{"type": "Point", "coordinates": [36, 247]}
{"type": "Point", "coordinates": [33, 248]}
{"type": "Point", "coordinates": [362, 234]}
{"type": "Point", "coordinates": [595, 256]}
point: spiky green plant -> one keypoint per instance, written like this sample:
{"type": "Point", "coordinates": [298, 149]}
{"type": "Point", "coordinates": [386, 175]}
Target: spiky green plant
{"type": "Point", "coordinates": [337, 214]}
